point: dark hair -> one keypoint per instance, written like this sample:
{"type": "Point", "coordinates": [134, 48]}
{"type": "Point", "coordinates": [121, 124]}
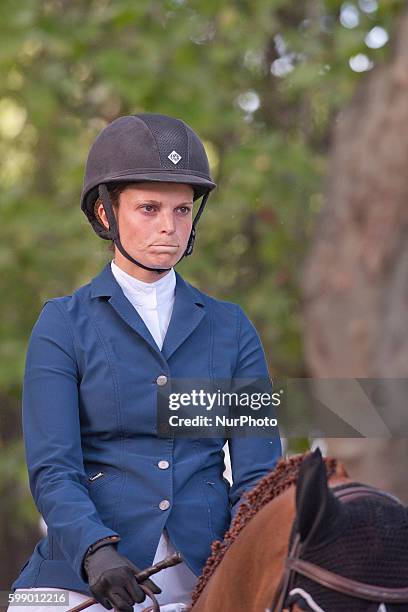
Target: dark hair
{"type": "Point", "coordinates": [114, 189]}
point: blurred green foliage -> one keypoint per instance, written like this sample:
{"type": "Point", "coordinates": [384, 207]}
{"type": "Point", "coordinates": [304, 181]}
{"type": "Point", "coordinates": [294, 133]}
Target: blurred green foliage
{"type": "Point", "coordinates": [261, 81]}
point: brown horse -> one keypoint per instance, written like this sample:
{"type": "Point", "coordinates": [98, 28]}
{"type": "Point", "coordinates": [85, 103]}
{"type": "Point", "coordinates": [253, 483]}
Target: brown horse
{"type": "Point", "coordinates": [306, 537]}
{"type": "Point", "coordinates": [355, 550]}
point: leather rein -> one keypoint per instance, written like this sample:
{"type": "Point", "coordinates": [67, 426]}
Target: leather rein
{"type": "Point", "coordinates": [295, 565]}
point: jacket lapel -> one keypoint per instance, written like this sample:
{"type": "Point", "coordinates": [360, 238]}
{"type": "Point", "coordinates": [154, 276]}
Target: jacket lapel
{"type": "Point", "coordinates": [129, 314]}
{"type": "Point", "coordinates": [188, 311]}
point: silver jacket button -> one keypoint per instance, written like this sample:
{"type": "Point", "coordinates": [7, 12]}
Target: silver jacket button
{"type": "Point", "coordinates": [163, 465]}
{"type": "Point", "coordinates": [161, 380]}
{"type": "Point", "coordinates": [164, 504]}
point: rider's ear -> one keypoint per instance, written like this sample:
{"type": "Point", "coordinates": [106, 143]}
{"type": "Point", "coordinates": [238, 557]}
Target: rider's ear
{"type": "Point", "coordinates": [316, 505]}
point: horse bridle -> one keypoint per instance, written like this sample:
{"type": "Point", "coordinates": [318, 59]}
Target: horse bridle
{"type": "Point", "coordinates": [295, 565]}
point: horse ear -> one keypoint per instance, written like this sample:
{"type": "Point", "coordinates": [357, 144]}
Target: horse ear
{"type": "Point", "coordinates": [315, 503]}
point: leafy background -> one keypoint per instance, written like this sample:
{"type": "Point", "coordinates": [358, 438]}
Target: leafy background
{"type": "Point", "coordinates": [263, 82]}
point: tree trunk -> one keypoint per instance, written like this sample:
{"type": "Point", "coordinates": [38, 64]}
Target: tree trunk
{"type": "Point", "coordinates": [355, 281]}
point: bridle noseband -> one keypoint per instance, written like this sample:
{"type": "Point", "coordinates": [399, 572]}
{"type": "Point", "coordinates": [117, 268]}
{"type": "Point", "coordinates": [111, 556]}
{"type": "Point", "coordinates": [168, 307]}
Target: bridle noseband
{"type": "Point", "coordinates": [295, 565]}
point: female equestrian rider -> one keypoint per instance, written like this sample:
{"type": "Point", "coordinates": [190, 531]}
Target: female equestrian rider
{"type": "Point", "coordinates": [114, 495]}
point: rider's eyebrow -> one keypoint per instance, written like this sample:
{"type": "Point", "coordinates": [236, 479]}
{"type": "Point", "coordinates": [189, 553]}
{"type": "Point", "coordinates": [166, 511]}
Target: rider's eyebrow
{"type": "Point", "coordinates": [158, 203]}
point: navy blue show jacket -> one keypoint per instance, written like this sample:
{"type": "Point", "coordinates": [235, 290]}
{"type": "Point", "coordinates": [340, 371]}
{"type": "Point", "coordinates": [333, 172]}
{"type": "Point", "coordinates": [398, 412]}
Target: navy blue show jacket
{"type": "Point", "coordinates": [89, 406]}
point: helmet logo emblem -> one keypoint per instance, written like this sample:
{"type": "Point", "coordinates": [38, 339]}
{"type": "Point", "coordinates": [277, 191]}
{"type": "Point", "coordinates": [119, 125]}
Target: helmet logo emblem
{"type": "Point", "coordinates": [174, 157]}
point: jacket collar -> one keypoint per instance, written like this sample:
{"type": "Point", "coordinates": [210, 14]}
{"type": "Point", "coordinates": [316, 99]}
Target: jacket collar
{"type": "Point", "coordinates": [188, 310]}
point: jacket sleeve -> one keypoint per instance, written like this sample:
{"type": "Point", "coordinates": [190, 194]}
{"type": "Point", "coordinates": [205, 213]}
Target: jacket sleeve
{"type": "Point", "coordinates": [251, 457]}
{"type": "Point", "coordinates": [52, 438]}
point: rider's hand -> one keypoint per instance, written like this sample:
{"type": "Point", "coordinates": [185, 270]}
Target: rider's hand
{"type": "Point", "coordinates": [112, 581]}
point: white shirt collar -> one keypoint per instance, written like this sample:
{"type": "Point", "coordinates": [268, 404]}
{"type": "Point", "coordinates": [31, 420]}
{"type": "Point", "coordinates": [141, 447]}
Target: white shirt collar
{"type": "Point", "coordinates": [145, 294]}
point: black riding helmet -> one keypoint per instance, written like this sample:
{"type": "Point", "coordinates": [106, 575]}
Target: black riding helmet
{"type": "Point", "coordinates": [139, 148]}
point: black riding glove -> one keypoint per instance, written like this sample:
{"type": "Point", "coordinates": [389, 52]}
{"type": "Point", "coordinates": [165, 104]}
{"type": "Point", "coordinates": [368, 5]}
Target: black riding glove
{"type": "Point", "coordinates": [112, 581]}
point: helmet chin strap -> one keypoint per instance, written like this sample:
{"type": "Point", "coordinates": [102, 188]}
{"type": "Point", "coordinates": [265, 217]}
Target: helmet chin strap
{"type": "Point", "coordinates": [114, 230]}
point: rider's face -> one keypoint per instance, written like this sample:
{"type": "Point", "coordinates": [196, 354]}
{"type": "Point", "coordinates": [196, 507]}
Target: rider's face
{"type": "Point", "coordinates": [155, 221]}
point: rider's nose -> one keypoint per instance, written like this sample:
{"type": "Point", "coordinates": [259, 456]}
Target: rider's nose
{"type": "Point", "coordinates": [167, 223]}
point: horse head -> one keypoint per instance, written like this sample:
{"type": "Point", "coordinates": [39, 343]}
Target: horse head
{"type": "Point", "coordinates": [307, 537]}
{"type": "Point", "coordinates": [348, 548]}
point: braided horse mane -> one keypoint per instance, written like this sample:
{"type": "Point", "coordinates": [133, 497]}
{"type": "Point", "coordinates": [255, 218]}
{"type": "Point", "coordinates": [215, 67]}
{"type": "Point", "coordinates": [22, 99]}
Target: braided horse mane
{"type": "Point", "coordinates": [270, 486]}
